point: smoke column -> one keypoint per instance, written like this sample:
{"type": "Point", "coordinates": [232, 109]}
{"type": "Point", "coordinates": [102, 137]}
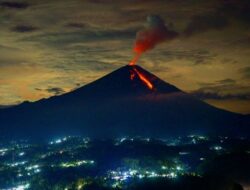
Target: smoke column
{"type": "Point", "coordinates": [154, 33]}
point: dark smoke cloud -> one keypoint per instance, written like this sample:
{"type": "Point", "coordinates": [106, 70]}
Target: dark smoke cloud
{"type": "Point", "coordinates": [55, 90]}
{"type": "Point", "coordinates": [226, 12]}
{"type": "Point", "coordinates": [202, 23]}
{"type": "Point", "coordinates": [14, 5]}
{"type": "Point", "coordinates": [75, 25]}
{"type": "Point", "coordinates": [154, 33]}
{"type": "Point", "coordinates": [217, 96]}
{"type": "Point", "coordinates": [52, 90]}
{"type": "Point", "coordinates": [24, 28]}
{"type": "Point", "coordinates": [222, 90]}
{"type": "Point", "coordinates": [238, 9]}
{"type": "Point", "coordinates": [226, 81]}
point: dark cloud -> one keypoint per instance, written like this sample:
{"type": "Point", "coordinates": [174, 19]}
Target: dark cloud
{"type": "Point", "coordinates": [202, 57]}
{"type": "Point", "coordinates": [202, 23]}
{"type": "Point", "coordinates": [197, 57]}
{"type": "Point", "coordinates": [14, 5]}
{"type": "Point", "coordinates": [226, 81]}
{"type": "Point", "coordinates": [220, 17]}
{"type": "Point", "coordinates": [219, 83]}
{"type": "Point", "coordinates": [205, 84]}
{"type": "Point", "coordinates": [129, 1]}
{"type": "Point", "coordinates": [24, 28]}
{"type": "Point", "coordinates": [238, 9]}
{"type": "Point", "coordinates": [243, 42]}
{"type": "Point", "coordinates": [229, 60]}
{"type": "Point", "coordinates": [75, 25]}
{"type": "Point", "coordinates": [245, 72]}
{"type": "Point", "coordinates": [58, 39]}
{"type": "Point", "coordinates": [78, 85]}
{"type": "Point", "coordinates": [99, 65]}
{"type": "Point", "coordinates": [52, 90]}
{"type": "Point", "coordinates": [38, 89]}
{"type": "Point", "coordinates": [222, 90]}
{"type": "Point", "coordinates": [55, 90]}
{"type": "Point", "coordinates": [203, 95]}
{"type": "Point", "coordinates": [101, 1]}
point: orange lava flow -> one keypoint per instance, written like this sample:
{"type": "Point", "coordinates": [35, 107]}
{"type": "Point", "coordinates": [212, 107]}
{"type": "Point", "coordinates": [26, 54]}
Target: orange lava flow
{"type": "Point", "coordinates": [144, 79]}
{"type": "Point", "coordinates": [132, 75]}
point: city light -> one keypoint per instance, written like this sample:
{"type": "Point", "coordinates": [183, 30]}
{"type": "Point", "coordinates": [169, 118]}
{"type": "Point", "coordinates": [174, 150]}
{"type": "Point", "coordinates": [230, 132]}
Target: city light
{"type": "Point", "coordinates": [21, 153]}
{"type": "Point", "coordinates": [77, 163]}
{"type": "Point", "coordinates": [20, 187]}
{"type": "Point", "coordinates": [118, 172]}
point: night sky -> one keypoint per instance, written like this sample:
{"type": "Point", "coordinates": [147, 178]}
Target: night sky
{"type": "Point", "coordinates": [49, 47]}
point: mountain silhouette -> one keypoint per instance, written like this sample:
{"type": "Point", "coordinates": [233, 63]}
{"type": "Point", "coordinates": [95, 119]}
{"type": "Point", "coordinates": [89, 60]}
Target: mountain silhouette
{"type": "Point", "coordinates": [129, 101]}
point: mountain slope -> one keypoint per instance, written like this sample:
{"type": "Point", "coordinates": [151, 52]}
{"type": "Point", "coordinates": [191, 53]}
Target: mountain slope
{"type": "Point", "coordinates": [128, 101]}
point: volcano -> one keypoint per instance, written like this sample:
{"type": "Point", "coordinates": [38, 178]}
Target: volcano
{"type": "Point", "coordinates": [130, 101]}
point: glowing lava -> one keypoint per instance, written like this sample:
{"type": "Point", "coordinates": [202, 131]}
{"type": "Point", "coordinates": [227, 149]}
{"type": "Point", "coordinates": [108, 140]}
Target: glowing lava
{"type": "Point", "coordinates": [154, 33]}
{"type": "Point", "coordinates": [135, 59]}
{"type": "Point", "coordinates": [135, 72]}
{"type": "Point", "coordinates": [132, 75]}
{"type": "Point", "coordinates": [142, 77]}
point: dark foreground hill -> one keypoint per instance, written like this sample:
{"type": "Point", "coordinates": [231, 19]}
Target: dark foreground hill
{"type": "Point", "coordinates": [128, 101]}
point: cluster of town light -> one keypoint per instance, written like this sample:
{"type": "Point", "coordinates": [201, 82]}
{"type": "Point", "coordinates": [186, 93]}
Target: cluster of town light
{"type": "Point", "coordinates": [33, 168]}
{"type": "Point", "coordinates": [19, 187]}
{"type": "Point", "coordinates": [77, 163]}
{"type": "Point", "coordinates": [27, 169]}
{"type": "Point", "coordinates": [132, 173]}
{"type": "Point", "coordinates": [3, 151]}
{"type": "Point", "coordinates": [64, 139]}
{"type": "Point", "coordinates": [122, 176]}
{"type": "Point", "coordinates": [58, 141]}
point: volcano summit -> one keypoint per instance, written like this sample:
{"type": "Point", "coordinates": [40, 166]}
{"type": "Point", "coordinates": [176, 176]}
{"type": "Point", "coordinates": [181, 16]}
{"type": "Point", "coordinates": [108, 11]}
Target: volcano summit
{"type": "Point", "coordinates": [127, 102]}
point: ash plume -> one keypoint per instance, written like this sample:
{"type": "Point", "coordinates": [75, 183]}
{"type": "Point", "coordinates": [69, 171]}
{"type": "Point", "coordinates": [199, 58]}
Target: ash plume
{"type": "Point", "coordinates": [154, 33]}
